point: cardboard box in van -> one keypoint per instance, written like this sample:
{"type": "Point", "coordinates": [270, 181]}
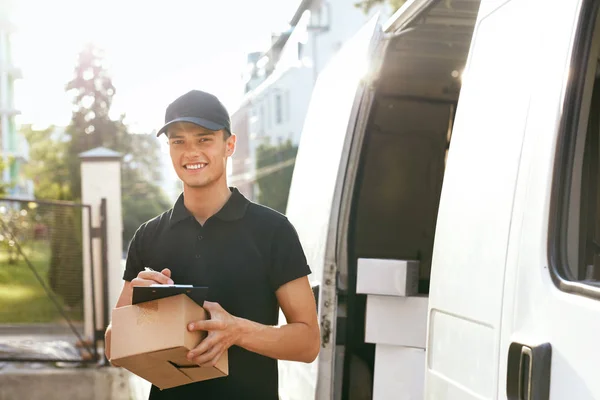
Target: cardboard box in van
{"type": "Point", "coordinates": [151, 340]}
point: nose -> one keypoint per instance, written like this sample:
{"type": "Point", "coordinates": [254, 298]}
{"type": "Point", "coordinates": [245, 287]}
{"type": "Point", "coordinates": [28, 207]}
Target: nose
{"type": "Point", "coordinates": [192, 148]}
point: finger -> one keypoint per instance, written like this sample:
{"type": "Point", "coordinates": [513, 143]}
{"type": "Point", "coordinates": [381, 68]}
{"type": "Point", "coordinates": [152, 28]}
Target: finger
{"type": "Point", "coordinates": [207, 357]}
{"type": "Point", "coordinates": [207, 325]}
{"type": "Point", "coordinates": [214, 361]}
{"type": "Point", "coordinates": [202, 348]}
{"type": "Point", "coordinates": [141, 282]}
{"type": "Point", "coordinates": [157, 277]}
{"type": "Point", "coordinates": [209, 305]}
{"type": "Point", "coordinates": [166, 272]}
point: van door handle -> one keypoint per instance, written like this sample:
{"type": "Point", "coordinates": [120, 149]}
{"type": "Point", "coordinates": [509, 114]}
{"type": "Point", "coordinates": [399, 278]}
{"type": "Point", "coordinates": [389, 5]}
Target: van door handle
{"type": "Point", "coordinates": [528, 372]}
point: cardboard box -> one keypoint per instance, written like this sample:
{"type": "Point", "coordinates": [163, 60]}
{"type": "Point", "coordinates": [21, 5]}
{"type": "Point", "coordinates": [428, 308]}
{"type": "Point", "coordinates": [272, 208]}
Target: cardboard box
{"type": "Point", "coordinates": [399, 373]}
{"type": "Point", "coordinates": [151, 340]}
{"type": "Point", "coordinates": [399, 321]}
{"type": "Point", "coordinates": [387, 277]}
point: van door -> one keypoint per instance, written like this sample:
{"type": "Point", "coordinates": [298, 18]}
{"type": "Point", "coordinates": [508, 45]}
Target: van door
{"type": "Point", "coordinates": [551, 322]}
{"type": "Point", "coordinates": [314, 199]}
{"type": "Point", "coordinates": [474, 222]}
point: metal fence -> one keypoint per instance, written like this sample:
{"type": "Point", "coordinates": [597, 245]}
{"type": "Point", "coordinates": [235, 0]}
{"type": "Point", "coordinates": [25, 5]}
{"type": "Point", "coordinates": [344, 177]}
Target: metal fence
{"type": "Point", "coordinates": [46, 281]}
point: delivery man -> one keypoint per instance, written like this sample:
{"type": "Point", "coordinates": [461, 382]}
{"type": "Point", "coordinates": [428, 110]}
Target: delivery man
{"type": "Point", "coordinates": [248, 255]}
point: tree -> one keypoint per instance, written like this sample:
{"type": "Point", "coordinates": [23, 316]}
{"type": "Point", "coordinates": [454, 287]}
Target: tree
{"type": "Point", "coordinates": [91, 126]}
{"type": "Point", "coordinates": [48, 167]}
{"type": "Point", "coordinates": [141, 202]}
{"type": "Point", "coordinates": [55, 168]}
{"type": "Point", "coordinates": [367, 5]}
{"type": "Point", "coordinates": [48, 164]}
{"type": "Point", "coordinates": [275, 166]}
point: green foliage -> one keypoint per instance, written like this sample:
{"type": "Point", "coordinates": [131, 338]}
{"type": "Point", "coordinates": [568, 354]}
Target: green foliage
{"type": "Point", "coordinates": [275, 166]}
{"type": "Point", "coordinates": [48, 163]}
{"type": "Point", "coordinates": [22, 298]}
{"type": "Point", "coordinates": [65, 275]}
{"type": "Point", "coordinates": [142, 201]}
{"type": "Point", "coordinates": [367, 5]}
{"type": "Point", "coordinates": [3, 186]}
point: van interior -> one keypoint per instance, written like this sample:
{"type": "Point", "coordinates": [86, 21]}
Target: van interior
{"type": "Point", "coordinates": [583, 228]}
{"type": "Point", "coordinates": [402, 161]}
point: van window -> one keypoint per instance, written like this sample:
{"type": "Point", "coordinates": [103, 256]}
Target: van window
{"type": "Point", "coordinates": [576, 249]}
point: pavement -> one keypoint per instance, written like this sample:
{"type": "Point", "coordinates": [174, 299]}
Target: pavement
{"type": "Point", "coordinates": [63, 375]}
{"type": "Point", "coordinates": [39, 341]}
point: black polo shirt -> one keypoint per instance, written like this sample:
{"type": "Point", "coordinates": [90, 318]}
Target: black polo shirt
{"type": "Point", "coordinates": [243, 253]}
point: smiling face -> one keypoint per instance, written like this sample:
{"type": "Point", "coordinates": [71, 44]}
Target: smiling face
{"type": "Point", "coordinates": [199, 155]}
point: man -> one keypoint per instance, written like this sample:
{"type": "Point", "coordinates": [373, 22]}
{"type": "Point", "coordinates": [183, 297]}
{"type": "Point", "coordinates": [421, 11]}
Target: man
{"type": "Point", "coordinates": [248, 255]}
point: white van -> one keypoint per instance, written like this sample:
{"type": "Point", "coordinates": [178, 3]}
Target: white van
{"type": "Point", "coordinates": [508, 302]}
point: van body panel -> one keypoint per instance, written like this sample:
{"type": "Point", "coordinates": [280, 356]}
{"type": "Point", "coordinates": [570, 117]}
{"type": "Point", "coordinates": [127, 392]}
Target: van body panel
{"type": "Point", "coordinates": [315, 192]}
{"type": "Point", "coordinates": [536, 311]}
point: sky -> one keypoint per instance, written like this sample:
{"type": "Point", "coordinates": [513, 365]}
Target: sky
{"type": "Point", "coordinates": [155, 50]}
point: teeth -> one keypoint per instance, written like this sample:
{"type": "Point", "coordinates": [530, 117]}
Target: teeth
{"type": "Point", "coordinates": [195, 166]}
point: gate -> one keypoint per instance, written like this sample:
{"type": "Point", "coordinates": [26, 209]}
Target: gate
{"type": "Point", "coordinates": [51, 307]}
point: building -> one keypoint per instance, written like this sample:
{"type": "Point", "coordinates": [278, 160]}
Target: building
{"type": "Point", "coordinates": [279, 81]}
{"type": "Point", "coordinates": [13, 146]}
{"type": "Point", "coordinates": [169, 182]}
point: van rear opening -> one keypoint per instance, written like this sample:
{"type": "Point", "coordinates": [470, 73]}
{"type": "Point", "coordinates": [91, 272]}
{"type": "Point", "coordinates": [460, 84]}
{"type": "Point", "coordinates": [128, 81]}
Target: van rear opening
{"type": "Point", "coordinates": [401, 167]}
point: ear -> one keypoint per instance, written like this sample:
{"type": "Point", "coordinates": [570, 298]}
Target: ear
{"type": "Point", "coordinates": [231, 142]}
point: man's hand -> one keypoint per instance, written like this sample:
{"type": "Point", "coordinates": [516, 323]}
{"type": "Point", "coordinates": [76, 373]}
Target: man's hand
{"type": "Point", "coordinates": [223, 332]}
{"type": "Point", "coordinates": [144, 278]}
{"type": "Point", "coordinates": [147, 278]}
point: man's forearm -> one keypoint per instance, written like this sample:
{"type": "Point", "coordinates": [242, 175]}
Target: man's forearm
{"type": "Point", "coordinates": [294, 342]}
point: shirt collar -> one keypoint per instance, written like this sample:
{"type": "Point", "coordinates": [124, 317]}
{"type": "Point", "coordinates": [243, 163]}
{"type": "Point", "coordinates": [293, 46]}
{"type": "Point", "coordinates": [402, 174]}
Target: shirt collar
{"type": "Point", "coordinates": [234, 209]}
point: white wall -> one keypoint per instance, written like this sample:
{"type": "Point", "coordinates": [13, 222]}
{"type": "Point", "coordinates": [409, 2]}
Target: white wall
{"type": "Point", "coordinates": [169, 182]}
{"type": "Point", "coordinates": [296, 72]}
{"type": "Point", "coordinates": [294, 77]}
{"type": "Point", "coordinates": [344, 20]}
{"type": "Point", "coordinates": [293, 88]}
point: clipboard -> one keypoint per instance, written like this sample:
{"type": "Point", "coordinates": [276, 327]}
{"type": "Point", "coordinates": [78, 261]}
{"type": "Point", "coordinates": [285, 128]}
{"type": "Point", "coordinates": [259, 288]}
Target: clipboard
{"type": "Point", "coordinates": [142, 294]}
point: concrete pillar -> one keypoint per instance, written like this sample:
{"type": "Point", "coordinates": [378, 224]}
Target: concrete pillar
{"type": "Point", "coordinates": [101, 179]}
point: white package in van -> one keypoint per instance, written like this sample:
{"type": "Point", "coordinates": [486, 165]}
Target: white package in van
{"type": "Point", "coordinates": [400, 321]}
{"type": "Point", "coordinates": [387, 277]}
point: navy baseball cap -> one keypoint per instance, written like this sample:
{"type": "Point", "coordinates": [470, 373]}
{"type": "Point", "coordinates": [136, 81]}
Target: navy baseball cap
{"type": "Point", "coordinates": [200, 108]}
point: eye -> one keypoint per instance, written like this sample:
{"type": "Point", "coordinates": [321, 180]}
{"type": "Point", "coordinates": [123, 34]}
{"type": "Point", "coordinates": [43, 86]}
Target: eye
{"type": "Point", "coordinates": [177, 141]}
{"type": "Point", "coordinates": [205, 140]}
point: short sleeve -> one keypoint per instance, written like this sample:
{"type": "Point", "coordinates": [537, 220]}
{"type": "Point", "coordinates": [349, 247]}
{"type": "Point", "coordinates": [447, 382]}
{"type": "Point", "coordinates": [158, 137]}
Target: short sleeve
{"type": "Point", "coordinates": [134, 264]}
{"type": "Point", "coordinates": [288, 261]}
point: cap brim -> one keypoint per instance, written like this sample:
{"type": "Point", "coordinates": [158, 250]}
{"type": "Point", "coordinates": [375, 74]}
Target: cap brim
{"type": "Point", "coordinates": [196, 121]}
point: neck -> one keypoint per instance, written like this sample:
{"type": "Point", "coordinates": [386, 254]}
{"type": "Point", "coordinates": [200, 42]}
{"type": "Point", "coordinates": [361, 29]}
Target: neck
{"type": "Point", "coordinates": [204, 202]}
